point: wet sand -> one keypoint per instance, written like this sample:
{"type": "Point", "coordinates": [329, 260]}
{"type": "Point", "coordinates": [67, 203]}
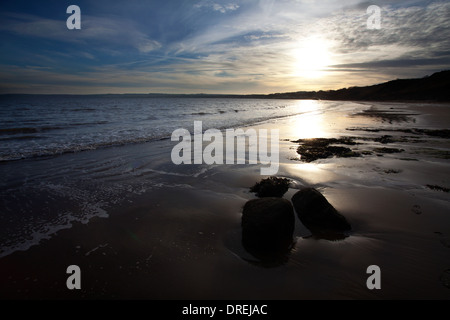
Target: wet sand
{"type": "Point", "coordinates": [175, 233]}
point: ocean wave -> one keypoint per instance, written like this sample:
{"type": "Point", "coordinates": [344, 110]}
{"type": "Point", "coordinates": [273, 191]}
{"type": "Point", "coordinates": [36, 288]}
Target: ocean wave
{"type": "Point", "coordinates": [71, 131]}
{"type": "Point", "coordinates": [78, 124]}
{"type": "Point", "coordinates": [44, 231]}
{"type": "Point", "coordinates": [56, 151]}
{"type": "Point", "coordinates": [27, 137]}
{"type": "Point", "coordinates": [51, 151]}
{"type": "Point", "coordinates": [200, 113]}
{"type": "Point", "coordinates": [83, 110]}
{"type": "Point", "coordinates": [10, 131]}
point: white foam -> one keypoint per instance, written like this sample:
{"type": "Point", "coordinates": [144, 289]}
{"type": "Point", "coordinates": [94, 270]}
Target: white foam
{"type": "Point", "coordinates": [43, 233]}
{"type": "Point", "coordinates": [44, 230]}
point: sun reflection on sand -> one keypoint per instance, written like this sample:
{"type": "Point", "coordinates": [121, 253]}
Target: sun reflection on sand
{"type": "Point", "coordinates": [311, 173]}
{"type": "Point", "coordinates": [309, 124]}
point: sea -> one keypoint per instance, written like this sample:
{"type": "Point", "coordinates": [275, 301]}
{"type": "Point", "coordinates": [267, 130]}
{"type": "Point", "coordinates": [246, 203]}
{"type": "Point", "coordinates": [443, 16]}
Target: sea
{"type": "Point", "coordinates": [42, 125]}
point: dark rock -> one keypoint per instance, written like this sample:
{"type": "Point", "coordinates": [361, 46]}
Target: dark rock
{"type": "Point", "coordinates": [317, 214]}
{"type": "Point", "coordinates": [267, 228]}
{"type": "Point", "coordinates": [439, 188]}
{"type": "Point", "coordinates": [416, 209]}
{"type": "Point", "coordinates": [388, 171]}
{"type": "Point", "coordinates": [445, 278]}
{"type": "Point", "coordinates": [323, 142]}
{"type": "Point", "coordinates": [384, 139]}
{"type": "Point", "coordinates": [442, 133]}
{"type": "Point", "coordinates": [388, 150]}
{"type": "Point", "coordinates": [319, 148]}
{"type": "Point", "coordinates": [271, 187]}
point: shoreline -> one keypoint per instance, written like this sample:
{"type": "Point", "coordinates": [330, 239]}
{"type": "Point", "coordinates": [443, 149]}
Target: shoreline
{"type": "Point", "coordinates": [174, 232]}
{"type": "Point", "coordinates": [145, 140]}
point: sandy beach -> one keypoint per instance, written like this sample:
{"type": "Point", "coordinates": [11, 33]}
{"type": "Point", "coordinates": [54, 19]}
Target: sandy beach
{"type": "Point", "coordinates": [174, 232]}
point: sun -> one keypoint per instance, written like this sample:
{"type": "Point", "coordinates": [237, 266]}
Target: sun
{"type": "Point", "coordinates": [311, 58]}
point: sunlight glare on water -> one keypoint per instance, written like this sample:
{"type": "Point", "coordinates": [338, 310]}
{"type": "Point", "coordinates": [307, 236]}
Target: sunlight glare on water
{"type": "Point", "coordinates": [310, 124]}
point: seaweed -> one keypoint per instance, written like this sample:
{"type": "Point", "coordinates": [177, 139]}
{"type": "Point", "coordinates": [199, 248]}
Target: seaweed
{"type": "Point", "coordinates": [271, 187]}
{"type": "Point", "coordinates": [319, 148]}
{"type": "Point", "coordinates": [438, 188]}
{"type": "Point", "coordinates": [388, 150]}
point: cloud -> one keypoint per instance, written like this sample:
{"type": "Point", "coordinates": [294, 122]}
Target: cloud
{"type": "Point", "coordinates": [113, 31]}
{"type": "Point", "coordinates": [222, 8]}
{"type": "Point", "coordinates": [252, 50]}
{"type": "Point", "coordinates": [223, 74]}
{"type": "Point", "coordinates": [413, 32]}
{"type": "Point", "coordinates": [87, 55]}
{"type": "Point", "coordinates": [412, 42]}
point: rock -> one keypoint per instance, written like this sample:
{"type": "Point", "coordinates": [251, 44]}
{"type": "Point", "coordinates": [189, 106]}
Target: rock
{"type": "Point", "coordinates": [388, 150]}
{"type": "Point", "coordinates": [384, 139]}
{"type": "Point", "coordinates": [317, 214]}
{"type": "Point", "coordinates": [319, 148]}
{"type": "Point", "coordinates": [445, 278]}
{"type": "Point", "coordinates": [271, 187]}
{"type": "Point", "coordinates": [267, 227]}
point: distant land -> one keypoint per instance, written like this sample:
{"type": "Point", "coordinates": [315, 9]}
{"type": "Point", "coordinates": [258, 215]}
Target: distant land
{"type": "Point", "coordinates": [429, 88]}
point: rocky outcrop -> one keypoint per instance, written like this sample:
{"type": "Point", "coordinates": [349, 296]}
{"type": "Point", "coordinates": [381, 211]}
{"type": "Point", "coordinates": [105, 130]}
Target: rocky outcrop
{"type": "Point", "coordinates": [267, 227]}
{"type": "Point", "coordinates": [317, 214]}
{"type": "Point", "coordinates": [271, 187]}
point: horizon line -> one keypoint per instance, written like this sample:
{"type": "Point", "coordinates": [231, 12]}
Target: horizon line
{"type": "Point", "coordinates": [218, 94]}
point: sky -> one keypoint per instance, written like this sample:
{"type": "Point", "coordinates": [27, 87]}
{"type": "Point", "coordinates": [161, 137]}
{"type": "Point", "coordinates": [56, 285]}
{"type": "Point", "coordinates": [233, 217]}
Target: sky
{"type": "Point", "coordinates": [212, 46]}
